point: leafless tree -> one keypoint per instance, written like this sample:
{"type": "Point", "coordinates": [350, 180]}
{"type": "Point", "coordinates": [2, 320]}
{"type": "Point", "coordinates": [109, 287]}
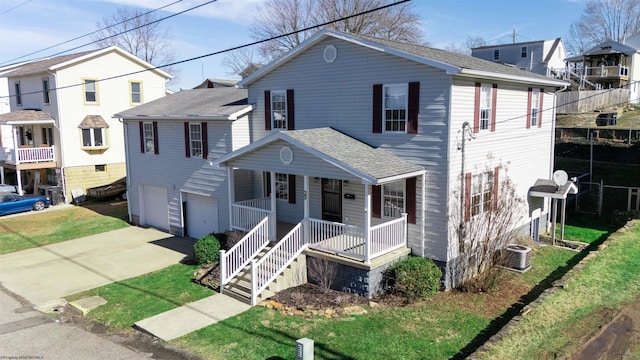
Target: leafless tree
{"type": "Point", "coordinates": [604, 20]}
{"type": "Point", "coordinates": [131, 30]}
{"type": "Point", "coordinates": [277, 17]}
{"type": "Point", "coordinates": [241, 62]}
{"type": "Point", "coordinates": [465, 48]}
{"type": "Point", "coordinates": [322, 272]}
{"type": "Point", "coordinates": [483, 236]}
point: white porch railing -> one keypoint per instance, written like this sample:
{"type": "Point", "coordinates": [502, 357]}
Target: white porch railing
{"type": "Point", "coordinates": [337, 238]}
{"type": "Point", "coordinates": [247, 214]}
{"type": "Point", "coordinates": [265, 270]}
{"type": "Point", "coordinates": [608, 71]}
{"type": "Point", "coordinates": [34, 154]}
{"type": "Point", "coordinates": [388, 236]}
{"type": "Point", "coordinates": [236, 258]}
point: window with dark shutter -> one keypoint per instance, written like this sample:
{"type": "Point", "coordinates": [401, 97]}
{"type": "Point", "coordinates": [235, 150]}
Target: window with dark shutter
{"type": "Point", "coordinates": [529, 108]}
{"type": "Point", "coordinates": [496, 186]}
{"type": "Point", "coordinates": [187, 146]}
{"type": "Point", "coordinates": [205, 141]}
{"type": "Point", "coordinates": [414, 107]}
{"type": "Point", "coordinates": [411, 200]}
{"type": "Point", "coordinates": [292, 189]}
{"type": "Point", "coordinates": [476, 108]}
{"type": "Point", "coordinates": [467, 196]}
{"type": "Point", "coordinates": [156, 147]}
{"type": "Point", "coordinates": [540, 108]}
{"type": "Point", "coordinates": [290, 111]}
{"type": "Point", "coordinates": [267, 110]}
{"type": "Point", "coordinates": [376, 201]}
{"type": "Point", "coordinates": [141, 127]}
{"type": "Point", "coordinates": [494, 109]}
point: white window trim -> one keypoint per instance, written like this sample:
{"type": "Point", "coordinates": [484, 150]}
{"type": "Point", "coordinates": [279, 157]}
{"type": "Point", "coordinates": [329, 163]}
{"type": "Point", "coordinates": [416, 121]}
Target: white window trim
{"type": "Point", "coordinates": [485, 181]}
{"type": "Point", "coordinates": [103, 131]}
{"type": "Point", "coordinates": [131, 82]}
{"type": "Point", "coordinates": [406, 108]}
{"type": "Point", "coordinates": [96, 91]}
{"type": "Point", "coordinates": [383, 197]}
{"type": "Point", "coordinates": [535, 107]}
{"type": "Point", "coordinates": [284, 111]}
{"type": "Point", "coordinates": [193, 140]}
{"type": "Point", "coordinates": [486, 101]}
{"type": "Point", "coordinates": [148, 139]}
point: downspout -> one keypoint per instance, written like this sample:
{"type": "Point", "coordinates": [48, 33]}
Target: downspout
{"type": "Point", "coordinates": [462, 173]}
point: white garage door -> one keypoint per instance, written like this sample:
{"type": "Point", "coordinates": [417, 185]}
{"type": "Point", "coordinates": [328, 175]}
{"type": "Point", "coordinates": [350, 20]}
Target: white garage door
{"type": "Point", "coordinates": [155, 207]}
{"type": "Point", "coordinates": [201, 215]}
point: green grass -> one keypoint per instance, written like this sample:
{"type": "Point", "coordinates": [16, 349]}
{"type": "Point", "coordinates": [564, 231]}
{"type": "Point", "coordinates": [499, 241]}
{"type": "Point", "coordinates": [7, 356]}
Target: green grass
{"type": "Point", "coordinates": [585, 228]}
{"type": "Point", "coordinates": [39, 229]}
{"type": "Point", "coordinates": [138, 298]}
{"type": "Point", "coordinates": [438, 328]}
{"type": "Point", "coordinates": [555, 329]}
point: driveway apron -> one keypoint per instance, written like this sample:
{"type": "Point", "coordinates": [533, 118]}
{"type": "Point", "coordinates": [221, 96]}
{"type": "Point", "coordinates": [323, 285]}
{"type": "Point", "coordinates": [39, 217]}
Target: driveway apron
{"type": "Point", "coordinates": [45, 274]}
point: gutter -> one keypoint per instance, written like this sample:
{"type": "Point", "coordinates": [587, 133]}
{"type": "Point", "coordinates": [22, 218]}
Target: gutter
{"type": "Point", "coordinates": [512, 78]}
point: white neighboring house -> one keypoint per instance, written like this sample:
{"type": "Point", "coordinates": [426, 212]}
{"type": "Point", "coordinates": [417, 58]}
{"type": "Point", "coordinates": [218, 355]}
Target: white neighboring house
{"type": "Point", "coordinates": [544, 57]}
{"type": "Point", "coordinates": [63, 136]}
{"type": "Point", "coordinates": [171, 144]}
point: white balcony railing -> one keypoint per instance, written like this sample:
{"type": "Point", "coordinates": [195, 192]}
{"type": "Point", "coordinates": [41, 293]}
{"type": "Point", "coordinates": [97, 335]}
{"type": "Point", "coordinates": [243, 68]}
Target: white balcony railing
{"type": "Point", "coordinates": [608, 71]}
{"type": "Point", "coordinates": [34, 154]}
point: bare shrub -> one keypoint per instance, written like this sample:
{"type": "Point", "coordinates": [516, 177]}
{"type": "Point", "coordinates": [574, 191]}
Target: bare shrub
{"type": "Point", "coordinates": [321, 272]}
{"type": "Point", "coordinates": [233, 237]}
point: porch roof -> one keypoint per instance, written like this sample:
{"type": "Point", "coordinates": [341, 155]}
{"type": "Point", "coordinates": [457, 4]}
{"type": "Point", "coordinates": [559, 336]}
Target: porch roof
{"type": "Point", "coordinates": [372, 165]}
{"type": "Point", "coordinates": [548, 188]}
{"type": "Point", "coordinates": [25, 117]}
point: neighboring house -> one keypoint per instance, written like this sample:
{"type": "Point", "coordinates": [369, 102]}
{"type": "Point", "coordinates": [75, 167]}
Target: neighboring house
{"type": "Point", "coordinates": [63, 134]}
{"type": "Point", "coordinates": [608, 65]}
{"type": "Point", "coordinates": [544, 57]}
{"type": "Point", "coordinates": [216, 83]}
{"type": "Point", "coordinates": [171, 145]}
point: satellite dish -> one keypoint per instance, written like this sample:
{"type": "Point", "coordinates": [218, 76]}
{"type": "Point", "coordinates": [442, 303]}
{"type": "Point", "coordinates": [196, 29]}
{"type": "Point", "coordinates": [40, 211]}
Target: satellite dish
{"type": "Point", "coordinates": [560, 177]}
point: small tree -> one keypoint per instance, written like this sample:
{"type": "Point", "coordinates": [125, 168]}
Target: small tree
{"type": "Point", "coordinates": [485, 227]}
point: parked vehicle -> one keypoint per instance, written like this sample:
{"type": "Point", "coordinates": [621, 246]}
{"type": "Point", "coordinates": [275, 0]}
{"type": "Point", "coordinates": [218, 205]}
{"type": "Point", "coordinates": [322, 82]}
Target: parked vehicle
{"type": "Point", "coordinates": [116, 188]}
{"type": "Point", "coordinates": [11, 203]}
{"type": "Point", "coordinates": [8, 188]}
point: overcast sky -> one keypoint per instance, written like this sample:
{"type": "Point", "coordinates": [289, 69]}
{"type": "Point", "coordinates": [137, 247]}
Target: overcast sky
{"type": "Point", "coordinates": [30, 25]}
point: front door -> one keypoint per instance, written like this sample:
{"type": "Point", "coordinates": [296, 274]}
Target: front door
{"type": "Point", "coordinates": [332, 200]}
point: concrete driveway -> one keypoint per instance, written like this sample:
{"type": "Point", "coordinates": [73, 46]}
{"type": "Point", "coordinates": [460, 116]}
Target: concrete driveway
{"type": "Point", "coordinates": [46, 274]}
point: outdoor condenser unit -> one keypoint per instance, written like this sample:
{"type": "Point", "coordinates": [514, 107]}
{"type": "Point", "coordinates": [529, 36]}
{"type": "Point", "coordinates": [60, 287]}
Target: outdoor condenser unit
{"type": "Point", "coordinates": [517, 257]}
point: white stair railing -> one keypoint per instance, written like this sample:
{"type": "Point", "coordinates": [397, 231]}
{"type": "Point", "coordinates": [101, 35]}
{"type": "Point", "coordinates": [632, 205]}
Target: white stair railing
{"type": "Point", "coordinates": [265, 270]}
{"type": "Point", "coordinates": [239, 256]}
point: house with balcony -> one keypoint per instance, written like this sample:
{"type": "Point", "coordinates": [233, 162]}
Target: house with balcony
{"type": "Point", "coordinates": [608, 65]}
{"type": "Point", "coordinates": [62, 134]}
{"type": "Point", "coordinates": [349, 149]}
{"type": "Point", "coordinates": [544, 57]}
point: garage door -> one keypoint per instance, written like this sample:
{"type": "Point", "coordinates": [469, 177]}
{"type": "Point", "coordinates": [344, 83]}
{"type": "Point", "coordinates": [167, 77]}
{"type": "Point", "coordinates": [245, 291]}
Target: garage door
{"type": "Point", "coordinates": [201, 215]}
{"type": "Point", "coordinates": [155, 208]}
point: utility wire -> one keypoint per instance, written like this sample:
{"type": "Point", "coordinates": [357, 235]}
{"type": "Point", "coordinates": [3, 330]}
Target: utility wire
{"type": "Point", "coordinates": [85, 35]}
{"type": "Point", "coordinates": [223, 51]}
{"type": "Point", "coordinates": [15, 7]}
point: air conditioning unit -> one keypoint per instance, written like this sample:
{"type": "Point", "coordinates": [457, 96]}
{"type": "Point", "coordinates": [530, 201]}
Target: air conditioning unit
{"type": "Point", "coordinates": [517, 257]}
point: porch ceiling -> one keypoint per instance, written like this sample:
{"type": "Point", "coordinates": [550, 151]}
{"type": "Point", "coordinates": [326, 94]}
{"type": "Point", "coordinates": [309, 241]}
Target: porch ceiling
{"type": "Point", "coordinates": [371, 165]}
{"type": "Point", "coordinates": [25, 117]}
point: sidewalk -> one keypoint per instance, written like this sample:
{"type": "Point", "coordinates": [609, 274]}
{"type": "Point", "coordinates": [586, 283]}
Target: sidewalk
{"type": "Point", "coordinates": [191, 317]}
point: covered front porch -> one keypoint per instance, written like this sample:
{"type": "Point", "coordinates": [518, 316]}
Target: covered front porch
{"type": "Point", "coordinates": [334, 194]}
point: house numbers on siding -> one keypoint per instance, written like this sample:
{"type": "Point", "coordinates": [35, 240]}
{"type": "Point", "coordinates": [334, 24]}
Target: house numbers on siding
{"type": "Point", "coordinates": [286, 155]}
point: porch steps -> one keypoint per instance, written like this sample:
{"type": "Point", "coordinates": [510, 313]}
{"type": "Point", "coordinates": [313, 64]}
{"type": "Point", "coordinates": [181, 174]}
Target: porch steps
{"type": "Point", "coordinates": [239, 287]}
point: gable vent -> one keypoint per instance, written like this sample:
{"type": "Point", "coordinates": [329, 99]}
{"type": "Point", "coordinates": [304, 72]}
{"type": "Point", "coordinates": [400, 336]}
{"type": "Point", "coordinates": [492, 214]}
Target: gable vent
{"type": "Point", "coordinates": [330, 54]}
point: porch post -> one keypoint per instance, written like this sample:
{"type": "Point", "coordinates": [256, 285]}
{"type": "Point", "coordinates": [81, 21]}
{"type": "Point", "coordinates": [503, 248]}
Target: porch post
{"type": "Point", "coordinates": [367, 222]}
{"type": "Point", "coordinates": [19, 176]}
{"type": "Point", "coordinates": [15, 146]}
{"type": "Point", "coordinates": [2, 172]}
{"type": "Point", "coordinates": [305, 223]}
{"type": "Point", "coordinates": [274, 221]}
{"type": "Point", "coordinates": [232, 195]}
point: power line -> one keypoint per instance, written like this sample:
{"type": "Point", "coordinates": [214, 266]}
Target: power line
{"type": "Point", "coordinates": [226, 50]}
{"type": "Point", "coordinates": [15, 7]}
{"type": "Point", "coordinates": [85, 35]}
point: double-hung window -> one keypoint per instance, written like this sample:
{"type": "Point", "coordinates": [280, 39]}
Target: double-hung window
{"type": "Point", "coordinates": [482, 193]}
{"type": "Point", "coordinates": [18, 94]}
{"type": "Point", "coordinates": [282, 186]}
{"type": "Point", "coordinates": [485, 106]}
{"type": "Point", "coordinates": [523, 52]}
{"type": "Point", "coordinates": [535, 111]}
{"type": "Point", "coordinates": [93, 137]}
{"type": "Point", "coordinates": [496, 54]}
{"type": "Point", "coordinates": [148, 138]}
{"type": "Point", "coordinates": [279, 109]}
{"type": "Point", "coordinates": [195, 139]}
{"type": "Point", "coordinates": [395, 108]}
{"type": "Point", "coordinates": [45, 91]}
{"type": "Point", "coordinates": [90, 91]}
{"type": "Point", "coordinates": [135, 88]}
{"type": "Point", "coordinates": [393, 199]}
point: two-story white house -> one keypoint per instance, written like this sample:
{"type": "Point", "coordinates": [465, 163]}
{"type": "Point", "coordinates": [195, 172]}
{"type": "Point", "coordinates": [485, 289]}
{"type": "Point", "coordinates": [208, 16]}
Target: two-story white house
{"type": "Point", "coordinates": [544, 57]}
{"type": "Point", "coordinates": [354, 156]}
{"type": "Point", "coordinates": [62, 131]}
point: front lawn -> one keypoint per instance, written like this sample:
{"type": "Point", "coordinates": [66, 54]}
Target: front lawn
{"type": "Point", "coordinates": [438, 328]}
{"type": "Point", "coordinates": [131, 300]}
{"type": "Point", "coordinates": [39, 229]}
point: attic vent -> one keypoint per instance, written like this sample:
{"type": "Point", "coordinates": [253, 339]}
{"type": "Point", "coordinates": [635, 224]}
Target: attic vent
{"type": "Point", "coordinates": [330, 54]}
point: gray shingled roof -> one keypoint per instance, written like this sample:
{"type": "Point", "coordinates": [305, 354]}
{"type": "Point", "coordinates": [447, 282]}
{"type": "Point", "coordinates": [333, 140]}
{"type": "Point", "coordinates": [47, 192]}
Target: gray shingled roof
{"type": "Point", "coordinates": [196, 102]}
{"type": "Point", "coordinates": [455, 59]}
{"type": "Point", "coordinates": [25, 115]}
{"type": "Point", "coordinates": [44, 65]}
{"type": "Point", "coordinates": [93, 122]}
{"type": "Point", "coordinates": [376, 162]}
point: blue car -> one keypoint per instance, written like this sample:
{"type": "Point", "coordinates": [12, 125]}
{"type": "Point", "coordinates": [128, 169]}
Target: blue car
{"type": "Point", "coordinates": [11, 203]}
